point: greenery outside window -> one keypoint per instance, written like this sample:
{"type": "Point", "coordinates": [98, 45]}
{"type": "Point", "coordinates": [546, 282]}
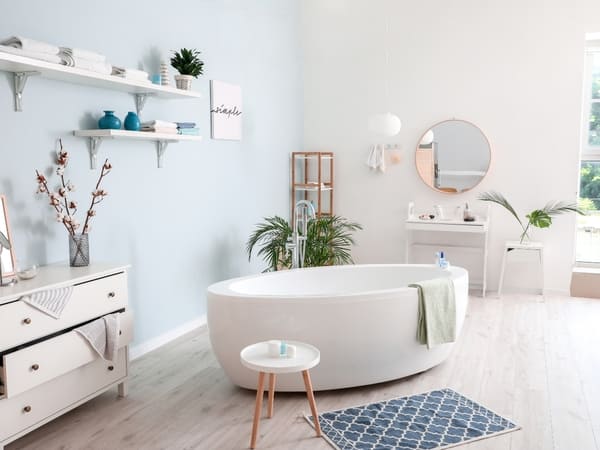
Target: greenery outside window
{"type": "Point", "coordinates": [588, 227]}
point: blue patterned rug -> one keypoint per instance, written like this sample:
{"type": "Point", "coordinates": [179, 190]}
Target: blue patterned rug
{"type": "Point", "coordinates": [434, 420]}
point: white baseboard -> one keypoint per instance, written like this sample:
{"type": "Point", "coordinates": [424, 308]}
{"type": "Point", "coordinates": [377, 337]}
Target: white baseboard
{"type": "Point", "coordinates": [141, 349]}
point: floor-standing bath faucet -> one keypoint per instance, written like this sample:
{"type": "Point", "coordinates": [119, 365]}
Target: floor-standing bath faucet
{"type": "Point", "coordinates": [304, 211]}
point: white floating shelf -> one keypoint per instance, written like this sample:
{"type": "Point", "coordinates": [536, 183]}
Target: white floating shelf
{"type": "Point", "coordinates": [161, 139]}
{"type": "Point", "coordinates": [23, 67]}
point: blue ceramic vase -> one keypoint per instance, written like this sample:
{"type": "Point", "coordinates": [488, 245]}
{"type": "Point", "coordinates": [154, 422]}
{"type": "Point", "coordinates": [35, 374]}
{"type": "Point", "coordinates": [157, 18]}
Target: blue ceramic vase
{"type": "Point", "coordinates": [109, 121]}
{"type": "Point", "coordinates": [132, 122]}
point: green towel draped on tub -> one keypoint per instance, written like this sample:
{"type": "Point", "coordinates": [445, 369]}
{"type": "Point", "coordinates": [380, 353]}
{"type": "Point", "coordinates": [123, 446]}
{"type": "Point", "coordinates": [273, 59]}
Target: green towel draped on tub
{"type": "Point", "coordinates": [437, 311]}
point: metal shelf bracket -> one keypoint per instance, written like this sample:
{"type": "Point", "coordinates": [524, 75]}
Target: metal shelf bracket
{"type": "Point", "coordinates": [94, 147]}
{"type": "Point", "coordinates": [161, 149]}
{"type": "Point", "coordinates": [140, 101]}
{"type": "Point", "coordinates": [20, 80]}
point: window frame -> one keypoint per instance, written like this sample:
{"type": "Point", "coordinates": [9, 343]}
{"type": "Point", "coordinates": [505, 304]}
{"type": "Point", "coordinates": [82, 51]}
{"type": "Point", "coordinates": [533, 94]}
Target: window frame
{"type": "Point", "coordinates": [587, 152]}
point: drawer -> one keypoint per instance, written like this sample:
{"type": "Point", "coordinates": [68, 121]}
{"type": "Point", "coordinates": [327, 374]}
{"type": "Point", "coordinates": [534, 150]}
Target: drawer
{"type": "Point", "coordinates": [34, 406]}
{"type": "Point", "coordinates": [21, 323]}
{"type": "Point", "coordinates": [34, 365]}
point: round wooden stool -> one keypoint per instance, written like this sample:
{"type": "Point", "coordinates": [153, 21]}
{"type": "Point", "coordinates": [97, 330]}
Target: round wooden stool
{"type": "Point", "coordinates": [256, 357]}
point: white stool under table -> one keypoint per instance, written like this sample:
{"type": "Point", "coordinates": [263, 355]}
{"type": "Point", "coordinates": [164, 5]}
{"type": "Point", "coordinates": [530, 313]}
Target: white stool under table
{"type": "Point", "coordinates": [256, 357]}
{"type": "Point", "coordinates": [525, 246]}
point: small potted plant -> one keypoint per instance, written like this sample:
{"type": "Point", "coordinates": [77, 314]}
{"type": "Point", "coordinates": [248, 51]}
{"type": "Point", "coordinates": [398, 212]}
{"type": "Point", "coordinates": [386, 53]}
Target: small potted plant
{"type": "Point", "coordinates": [189, 65]}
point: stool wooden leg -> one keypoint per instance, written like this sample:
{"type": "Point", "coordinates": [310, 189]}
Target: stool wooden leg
{"type": "Point", "coordinates": [257, 408]}
{"type": "Point", "coordinates": [271, 394]}
{"type": "Point", "coordinates": [501, 282]}
{"type": "Point", "coordinates": [311, 401]}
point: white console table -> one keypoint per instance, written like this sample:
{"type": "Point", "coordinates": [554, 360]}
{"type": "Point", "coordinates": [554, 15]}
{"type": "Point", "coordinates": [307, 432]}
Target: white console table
{"type": "Point", "coordinates": [479, 227]}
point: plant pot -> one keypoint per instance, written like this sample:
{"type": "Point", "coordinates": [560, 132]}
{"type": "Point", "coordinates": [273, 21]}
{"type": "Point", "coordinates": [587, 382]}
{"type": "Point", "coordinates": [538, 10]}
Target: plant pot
{"type": "Point", "coordinates": [109, 121]}
{"type": "Point", "coordinates": [184, 82]}
{"type": "Point", "coordinates": [79, 250]}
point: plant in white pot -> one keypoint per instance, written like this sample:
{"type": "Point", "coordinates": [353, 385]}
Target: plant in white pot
{"type": "Point", "coordinates": [189, 65]}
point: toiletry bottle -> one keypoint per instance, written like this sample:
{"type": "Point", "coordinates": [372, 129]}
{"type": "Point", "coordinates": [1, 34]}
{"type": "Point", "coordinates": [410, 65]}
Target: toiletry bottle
{"type": "Point", "coordinates": [437, 259]}
{"type": "Point", "coordinates": [442, 259]}
{"type": "Point", "coordinates": [467, 216]}
{"type": "Point", "coordinates": [283, 349]}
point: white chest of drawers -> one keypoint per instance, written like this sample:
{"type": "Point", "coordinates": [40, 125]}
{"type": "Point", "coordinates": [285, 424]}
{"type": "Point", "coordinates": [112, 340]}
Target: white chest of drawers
{"type": "Point", "coordinates": [46, 368]}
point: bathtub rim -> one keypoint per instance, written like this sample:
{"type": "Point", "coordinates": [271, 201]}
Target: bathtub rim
{"type": "Point", "coordinates": [222, 288]}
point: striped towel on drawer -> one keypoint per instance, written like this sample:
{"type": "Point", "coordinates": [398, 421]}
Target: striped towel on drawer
{"type": "Point", "coordinates": [51, 301]}
{"type": "Point", "coordinates": [103, 335]}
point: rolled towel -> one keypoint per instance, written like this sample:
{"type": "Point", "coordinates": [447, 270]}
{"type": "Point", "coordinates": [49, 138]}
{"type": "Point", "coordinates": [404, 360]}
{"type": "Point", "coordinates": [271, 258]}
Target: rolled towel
{"type": "Point", "coordinates": [160, 123]}
{"type": "Point", "coordinates": [83, 54]}
{"type": "Point", "coordinates": [30, 45]}
{"type": "Point", "coordinates": [185, 124]}
{"type": "Point", "coordinates": [34, 55]}
{"type": "Point", "coordinates": [103, 335]}
{"type": "Point", "coordinates": [98, 67]}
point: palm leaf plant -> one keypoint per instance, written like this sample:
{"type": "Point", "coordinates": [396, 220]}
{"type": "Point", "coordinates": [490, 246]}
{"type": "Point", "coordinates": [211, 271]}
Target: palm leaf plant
{"type": "Point", "coordinates": [540, 218]}
{"type": "Point", "coordinates": [329, 242]}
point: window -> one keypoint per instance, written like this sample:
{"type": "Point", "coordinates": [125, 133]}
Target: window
{"type": "Point", "coordinates": [588, 227]}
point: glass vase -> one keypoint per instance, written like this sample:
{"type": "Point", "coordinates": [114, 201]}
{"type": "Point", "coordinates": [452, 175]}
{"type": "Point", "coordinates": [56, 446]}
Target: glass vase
{"type": "Point", "coordinates": [79, 250]}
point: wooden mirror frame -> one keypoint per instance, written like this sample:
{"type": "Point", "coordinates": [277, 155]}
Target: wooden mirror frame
{"type": "Point", "coordinates": [487, 171]}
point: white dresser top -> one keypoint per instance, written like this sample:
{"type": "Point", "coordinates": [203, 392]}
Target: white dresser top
{"type": "Point", "coordinates": [58, 275]}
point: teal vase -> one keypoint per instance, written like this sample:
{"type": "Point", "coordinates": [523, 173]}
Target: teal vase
{"type": "Point", "coordinates": [109, 121]}
{"type": "Point", "coordinates": [132, 122]}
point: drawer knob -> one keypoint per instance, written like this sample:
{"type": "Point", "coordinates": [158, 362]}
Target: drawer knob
{"type": "Point", "coordinates": [112, 294]}
{"type": "Point", "coordinates": [35, 367]}
{"type": "Point", "coordinates": [27, 409]}
{"type": "Point", "coordinates": [27, 321]}
{"type": "Point", "coordinates": [111, 368]}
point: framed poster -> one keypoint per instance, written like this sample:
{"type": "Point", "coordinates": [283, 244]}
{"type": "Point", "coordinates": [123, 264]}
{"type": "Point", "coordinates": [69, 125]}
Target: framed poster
{"type": "Point", "coordinates": [225, 111]}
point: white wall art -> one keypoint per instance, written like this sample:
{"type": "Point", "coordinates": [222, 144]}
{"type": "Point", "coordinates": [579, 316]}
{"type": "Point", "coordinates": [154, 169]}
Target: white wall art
{"type": "Point", "coordinates": [225, 111]}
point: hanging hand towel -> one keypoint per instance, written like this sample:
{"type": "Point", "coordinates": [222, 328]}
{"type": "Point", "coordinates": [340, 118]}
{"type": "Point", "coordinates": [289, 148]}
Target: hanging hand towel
{"type": "Point", "coordinates": [51, 301]}
{"type": "Point", "coordinates": [35, 55]}
{"type": "Point", "coordinates": [103, 335]}
{"type": "Point", "coordinates": [30, 45]}
{"type": "Point", "coordinates": [372, 158]}
{"type": "Point", "coordinates": [436, 323]}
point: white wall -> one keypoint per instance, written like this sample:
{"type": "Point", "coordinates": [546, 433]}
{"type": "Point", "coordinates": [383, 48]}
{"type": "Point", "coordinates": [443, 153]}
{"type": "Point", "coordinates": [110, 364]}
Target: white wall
{"type": "Point", "coordinates": [184, 226]}
{"type": "Point", "coordinates": [513, 68]}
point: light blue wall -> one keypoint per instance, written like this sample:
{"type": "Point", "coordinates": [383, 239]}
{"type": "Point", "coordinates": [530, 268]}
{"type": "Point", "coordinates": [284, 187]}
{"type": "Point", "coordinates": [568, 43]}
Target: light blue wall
{"type": "Point", "coordinates": [184, 226]}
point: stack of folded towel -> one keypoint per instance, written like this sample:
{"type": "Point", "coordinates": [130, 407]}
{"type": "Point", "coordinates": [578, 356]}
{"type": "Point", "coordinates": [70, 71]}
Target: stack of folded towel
{"type": "Point", "coordinates": [188, 128]}
{"type": "Point", "coordinates": [159, 126]}
{"type": "Point", "coordinates": [72, 57]}
{"type": "Point", "coordinates": [17, 45]}
{"type": "Point", "coordinates": [130, 74]}
{"type": "Point", "coordinates": [85, 59]}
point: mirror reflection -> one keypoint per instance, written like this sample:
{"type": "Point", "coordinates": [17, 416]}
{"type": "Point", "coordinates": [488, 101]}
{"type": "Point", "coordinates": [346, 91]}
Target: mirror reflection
{"type": "Point", "coordinates": [453, 156]}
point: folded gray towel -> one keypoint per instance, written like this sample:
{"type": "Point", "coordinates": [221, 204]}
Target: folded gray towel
{"type": "Point", "coordinates": [51, 301]}
{"type": "Point", "coordinates": [103, 335]}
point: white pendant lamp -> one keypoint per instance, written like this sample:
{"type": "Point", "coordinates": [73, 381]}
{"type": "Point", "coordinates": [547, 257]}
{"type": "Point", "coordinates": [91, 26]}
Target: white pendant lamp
{"type": "Point", "coordinates": [386, 124]}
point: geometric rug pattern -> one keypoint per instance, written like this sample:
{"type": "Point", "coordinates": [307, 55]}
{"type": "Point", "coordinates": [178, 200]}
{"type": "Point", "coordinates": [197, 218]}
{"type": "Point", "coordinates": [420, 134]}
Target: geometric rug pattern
{"type": "Point", "coordinates": [434, 420]}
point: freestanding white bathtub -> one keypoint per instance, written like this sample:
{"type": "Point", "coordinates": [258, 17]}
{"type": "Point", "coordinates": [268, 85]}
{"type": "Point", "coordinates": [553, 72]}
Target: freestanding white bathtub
{"type": "Point", "coordinates": [363, 319]}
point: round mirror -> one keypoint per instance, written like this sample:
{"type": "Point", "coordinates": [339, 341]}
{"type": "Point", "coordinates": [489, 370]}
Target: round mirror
{"type": "Point", "coordinates": [453, 156]}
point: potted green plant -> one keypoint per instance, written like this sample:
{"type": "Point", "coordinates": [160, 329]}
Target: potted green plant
{"type": "Point", "coordinates": [329, 241]}
{"type": "Point", "coordinates": [540, 218]}
{"type": "Point", "coordinates": [189, 65]}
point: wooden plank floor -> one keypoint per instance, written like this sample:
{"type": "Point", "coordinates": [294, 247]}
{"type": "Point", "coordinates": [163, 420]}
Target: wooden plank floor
{"type": "Point", "coordinates": [533, 359]}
